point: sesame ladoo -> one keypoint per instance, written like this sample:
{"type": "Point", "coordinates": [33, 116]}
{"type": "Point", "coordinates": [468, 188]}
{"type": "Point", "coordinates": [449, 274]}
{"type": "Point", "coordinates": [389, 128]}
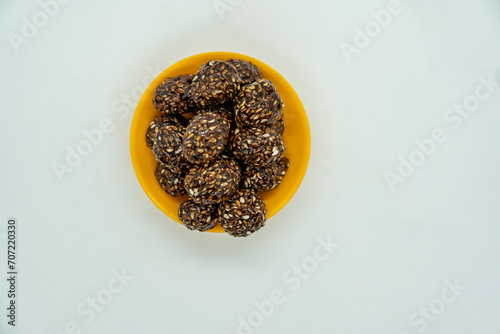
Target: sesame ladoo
{"type": "Point", "coordinates": [265, 178]}
{"type": "Point", "coordinates": [198, 217]}
{"type": "Point", "coordinates": [258, 105]}
{"type": "Point", "coordinates": [169, 181]}
{"type": "Point", "coordinates": [243, 214]}
{"type": "Point", "coordinates": [215, 82]}
{"type": "Point", "coordinates": [171, 96]}
{"type": "Point", "coordinates": [213, 182]}
{"type": "Point", "coordinates": [177, 120]}
{"type": "Point", "coordinates": [258, 146]}
{"type": "Point", "coordinates": [167, 146]}
{"type": "Point", "coordinates": [247, 71]}
{"type": "Point", "coordinates": [205, 138]}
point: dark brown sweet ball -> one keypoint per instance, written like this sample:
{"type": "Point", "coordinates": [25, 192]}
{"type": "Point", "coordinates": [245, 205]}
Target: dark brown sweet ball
{"type": "Point", "coordinates": [171, 96]}
{"type": "Point", "coordinates": [258, 105]}
{"type": "Point", "coordinates": [177, 120]}
{"type": "Point", "coordinates": [205, 138]}
{"type": "Point", "coordinates": [258, 146]}
{"type": "Point", "coordinates": [171, 182]}
{"type": "Point", "coordinates": [198, 217]}
{"type": "Point", "coordinates": [247, 71]}
{"type": "Point", "coordinates": [228, 115]}
{"type": "Point", "coordinates": [265, 178]}
{"type": "Point", "coordinates": [167, 146]}
{"type": "Point", "coordinates": [243, 214]}
{"type": "Point", "coordinates": [214, 83]}
{"type": "Point", "coordinates": [213, 182]}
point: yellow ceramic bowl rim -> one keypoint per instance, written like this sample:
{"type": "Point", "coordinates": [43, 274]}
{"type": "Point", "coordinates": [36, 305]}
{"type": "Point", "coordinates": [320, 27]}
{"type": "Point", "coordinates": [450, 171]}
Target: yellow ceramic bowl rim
{"type": "Point", "coordinates": [297, 137]}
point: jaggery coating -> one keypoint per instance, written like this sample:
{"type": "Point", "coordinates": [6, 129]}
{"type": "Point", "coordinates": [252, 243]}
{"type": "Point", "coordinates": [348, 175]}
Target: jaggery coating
{"type": "Point", "coordinates": [265, 178]}
{"type": "Point", "coordinates": [247, 71]}
{"type": "Point", "coordinates": [215, 82]}
{"type": "Point", "coordinates": [279, 126]}
{"type": "Point", "coordinates": [177, 120]}
{"type": "Point", "coordinates": [257, 146]}
{"type": "Point", "coordinates": [205, 138]}
{"type": "Point", "coordinates": [171, 182]}
{"type": "Point", "coordinates": [213, 182]}
{"type": "Point", "coordinates": [258, 105]}
{"type": "Point", "coordinates": [226, 115]}
{"type": "Point", "coordinates": [171, 96]}
{"type": "Point", "coordinates": [197, 216]}
{"type": "Point", "coordinates": [243, 214]}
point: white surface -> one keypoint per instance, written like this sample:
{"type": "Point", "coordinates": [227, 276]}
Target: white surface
{"type": "Point", "coordinates": [396, 250]}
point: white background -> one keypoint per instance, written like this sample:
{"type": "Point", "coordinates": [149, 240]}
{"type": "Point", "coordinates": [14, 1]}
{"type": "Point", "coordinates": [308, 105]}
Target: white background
{"type": "Point", "coordinates": [396, 248]}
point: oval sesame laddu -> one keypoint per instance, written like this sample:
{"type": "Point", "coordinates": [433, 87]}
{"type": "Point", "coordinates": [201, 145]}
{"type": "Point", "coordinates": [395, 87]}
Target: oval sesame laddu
{"type": "Point", "coordinates": [258, 105]}
{"type": "Point", "coordinates": [171, 96]}
{"type": "Point", "coordinates": [213, 182]}
{"type": "Point", "coordinates": [243, 214]}
{"type": "Point", "coordinates": [215, 83]}
{"type": "Point", "coordinates": [264, 178]}
{"type": "Point", "coordinates": [172, 183]}
{"type": "Point", "coordinates": [206, 137]}
{"type": "Point", "coordinates": [177, 120]}
{"type": "Point", "coordinates": [257, 146]}
{"type": "Point", "coordinates": [198, 216]}
{"type": "Point", "coordinates": [167, 146]}
{"type": "Point", "coordinates": [247, 71]}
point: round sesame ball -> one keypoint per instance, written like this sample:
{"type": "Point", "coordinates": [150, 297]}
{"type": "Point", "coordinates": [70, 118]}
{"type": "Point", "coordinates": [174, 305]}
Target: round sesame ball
{"type": "Point", "coordinates": [205, 138]}
{"type": "Point", "coordinates": [243, 214]}
{"type": "Point", "coordinates": [258, 105]}
{"type": "Point", "coordinates": [171, 96]}
{"type": "Point", "coordinates": [214, 83]}
{"type": "Point", "coordinates": [265, 178]}
{"type": "Point", "coordinates": [247, 71]}
{"type": "Point", "coordinates": [167, 147]}
{"type": "Point", "coordinates": [177, 120]}
{"type": "Point", "coordinates": [171, 182]}
{"type": "Point", "coordinates": [197, 216]}
{"type": "Point", "coordinates": [213, 182]}
{"type": "Point", "coordinates": [257, 146]}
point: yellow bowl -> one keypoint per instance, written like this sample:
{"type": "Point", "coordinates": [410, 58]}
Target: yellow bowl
{"type": "Point", "coordinates": [296, 137]}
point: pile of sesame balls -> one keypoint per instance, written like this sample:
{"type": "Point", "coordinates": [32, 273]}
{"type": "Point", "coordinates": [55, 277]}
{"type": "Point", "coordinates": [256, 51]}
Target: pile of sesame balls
{"type": "Point", "coordinates": [218, 140]}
